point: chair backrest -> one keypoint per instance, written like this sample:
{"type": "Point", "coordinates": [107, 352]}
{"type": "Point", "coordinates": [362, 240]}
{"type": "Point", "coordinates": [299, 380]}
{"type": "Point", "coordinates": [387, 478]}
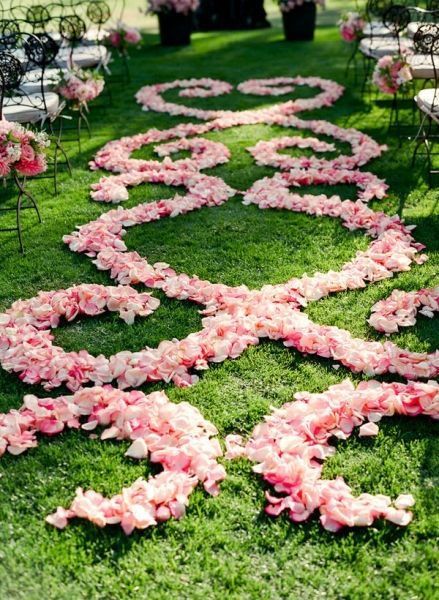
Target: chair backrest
{"type": "Point", "coordinates": [9, 34]}
{"type": "Point", "coordinates": [40, 49]}
{"type": "Point", "coordinates": [98, 12]}
{"type": "Point", "coordinates": [396, 18]}
{"type": "Point", "coordinates": [11, 75]}
{"type": "Point", "coordinates": [425, 39]}
{"type": "Point", "coordinates": [72, 28]}
{"type": "Point", "coordinates": [375, 9]}
{"type": "Point", "coordinates": [38, 16]}
{"type": "Point", "coordinates": [25, 60]}
{"type": "Point", "coordinates": [423, 15]}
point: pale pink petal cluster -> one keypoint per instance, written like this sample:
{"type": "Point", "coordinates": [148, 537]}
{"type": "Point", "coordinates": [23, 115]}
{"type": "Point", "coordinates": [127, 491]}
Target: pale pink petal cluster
{"type": "Point", "coordinates": [266, 152]}
{"type": "Point", "coordinates": [274, 86]}
{"type": "Point", "coordinates": [175, 436]}
{"type": "Point", "coordinates": [271, 192]}
{"type": "Point", "coordinates": [401, 308]}
{"type": "Point", "coordinates": [290, 446]}
{"type": "Point", "coordinates": [151, 98]}
{"type": "Point", "coordinates": [393, 250]}
{"type": "Point", "coordinates": [184, 172]}
{"type": "Point", "coordinates": [26, 344]}
{"type": "Point", "coordinates": [292, 443]}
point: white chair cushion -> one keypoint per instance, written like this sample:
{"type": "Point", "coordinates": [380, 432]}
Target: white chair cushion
{"type": "Point", "coordinates": [428, 101]}
{"type": "Point", "coordinates": [422, 66]}
{"type": "Point", "coordinates": [29, 109]}
{"type": "Point", "coordinates": [31, 84]}
{"type": "Point", "coordinates": [376, 48]}
{"type": "Point", "coordinates": [413, 27]}
{"type": "Point", "coordinates": [29, 87]}
{"type": "Point", "coordinates": [83, 56]}
{"type": "Point", "coordinates": [94, 34]}
{"type": "Point", "coordinates": [376, 29]}
{"type": "Point", "coordinates": [35, 75]}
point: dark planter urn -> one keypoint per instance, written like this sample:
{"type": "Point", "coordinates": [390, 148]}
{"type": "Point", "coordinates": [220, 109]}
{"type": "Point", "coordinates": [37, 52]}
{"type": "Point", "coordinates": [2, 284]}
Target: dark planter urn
{"type": "Point", "coordinates": [175, 28]}
{"type": "Point", "coordinates": [300, 23]}
{"type": "Point", "coordinates": [214, 15]}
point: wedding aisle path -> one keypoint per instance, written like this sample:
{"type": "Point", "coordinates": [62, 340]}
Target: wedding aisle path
{"type": "Point", "coordinates": [227, 544]}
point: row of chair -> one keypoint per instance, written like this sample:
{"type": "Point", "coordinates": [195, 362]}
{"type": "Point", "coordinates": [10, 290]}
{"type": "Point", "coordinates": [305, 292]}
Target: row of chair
{"type": "Point", "coordinates": [413, 32]}
{"type": "Point", "coordinates": [37, 43]}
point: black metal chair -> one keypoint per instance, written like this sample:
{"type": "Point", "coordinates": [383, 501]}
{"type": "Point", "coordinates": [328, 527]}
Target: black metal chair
{"type": "Point", "coordinates": [427, 100]}
{"type": "Point", "coordinates": [396, 19]}
{"type": "Point", "coordinates": [27, 105]}
{"type": "Point", "coordinates": [11, 74]}
{"type": "Point", "coordinates": [374, 30]}
{"type": "Point", "coordinates": [98, 14]}
{"type": "Point", "coordinates": [41, 51]}
{"type": "Point", "coordinates": [33, 101]}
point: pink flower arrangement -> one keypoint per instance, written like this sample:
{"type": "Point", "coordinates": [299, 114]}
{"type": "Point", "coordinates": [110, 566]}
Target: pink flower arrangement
{"type": "Point", "coordinates": [179, 6]}
{"type": "Point", "coordinates": [288, 5]}
{"type": "Point", "coordinates": [22, 151]}
{"type": "Point", "coordinates": [391, 73]}
{"type": "Point", "coordinates": [351, 26]}
{"type": "Point", "coordinates": [289, 447]}
{"type": "Point", "coordinates": [122, 36]}
{"type": "Point", "coordinates": [80, 87]}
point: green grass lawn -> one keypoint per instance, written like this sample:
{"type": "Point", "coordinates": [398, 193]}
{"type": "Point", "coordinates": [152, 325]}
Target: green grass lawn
{"type": "Point", "coordinates": [225, 547]}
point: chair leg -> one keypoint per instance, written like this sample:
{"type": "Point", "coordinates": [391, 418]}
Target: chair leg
{"type": "Point", "coordinates": [21, 195]}
{"type": "Point", "coordinates": [110, 95]}
{"type": "Point", "coordinates": [60, 147]}
{"type": "Point", "coordinates": [87, 124]}
{"type": "Point", "coordinates": [55, 169]}
{"type": "Point", "coordinates": [365, 74]}
{"type": "Point", "coordinates": [367, 68]}
{"type": "Point", "coordinates": [56, 137]}
{"type": "Point", "coordinates": [428, 147]}
{"type": "Point", "coordinates": [24, 193]}
{"type": "Point", "coordinates": [394, 119]}
{"type": "Point", "coordinates": [419, 139]}
{"type": "Point", "coordinates": [79, 131]}
{"type": "Point", "coordinates": [415, 152]}
{"type": "Point", "coordinates": [429, 163]}
{"type": "Point", "coordinates": [128, 73]}
{"type": "Point", "coordinates": [18, 217]}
